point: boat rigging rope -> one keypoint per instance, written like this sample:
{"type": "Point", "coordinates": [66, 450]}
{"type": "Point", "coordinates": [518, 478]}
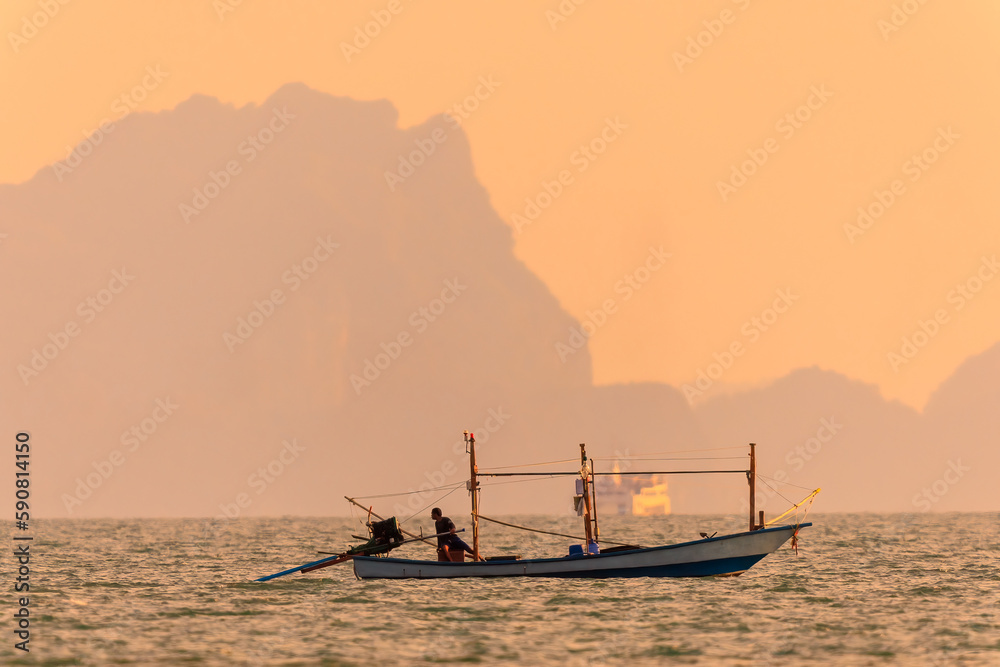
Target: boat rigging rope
{"type": "Point", "coordinates": [518, 481]}
{"type": "Point", "coordinates": [441, 488]}
{"type": "Point", "coordinates": [435, 502]}
{"type": "Point", "coordinates": [354, 513]}
{"type": "Point", "coordinates": [778, 481]}
{"type": "Point", "coordinates": [410, 493]}
{"type": "Point", "coordinates": [676, 458]}
{"type": "Point", "coordinates": [637, 457]}
{"type": "Point", "coordinates": [532, 465]}
{"type": "Point", "coordinates": [549, 532]}
{"type": "Point", "coordinates": [689, 451]}
{"type": "Point", "coordinates": [778, 493]}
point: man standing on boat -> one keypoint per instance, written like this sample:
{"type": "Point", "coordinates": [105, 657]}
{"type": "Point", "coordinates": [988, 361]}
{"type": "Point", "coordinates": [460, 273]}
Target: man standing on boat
{"type": "Point", "coordinates": [443, 524]}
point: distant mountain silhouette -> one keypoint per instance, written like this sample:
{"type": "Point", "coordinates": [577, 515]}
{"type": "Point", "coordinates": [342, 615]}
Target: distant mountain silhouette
{"type": "Point", "coordinates": [304, 271]}
{"type": "Point", "coordinates": [822, 429]}
{"type": "Point", "coordinates": [962, 423]}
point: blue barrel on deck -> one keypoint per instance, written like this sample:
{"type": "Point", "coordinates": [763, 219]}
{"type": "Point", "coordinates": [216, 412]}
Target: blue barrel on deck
{"type": "Point", "coordinates": [594, 548]}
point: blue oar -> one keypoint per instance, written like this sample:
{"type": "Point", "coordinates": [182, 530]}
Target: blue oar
{"type": "Point", "coordinates": [302, 567]}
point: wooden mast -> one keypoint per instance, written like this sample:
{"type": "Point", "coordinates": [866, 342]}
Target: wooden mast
{"type": "Point", "coordinates": [593, 495]}
{"type": "Point", "coordinates": [585, 475]}
{"type": "Point", "coordinates": [752, 479]}
{"type": "Point", "coordinates": [470, 447]}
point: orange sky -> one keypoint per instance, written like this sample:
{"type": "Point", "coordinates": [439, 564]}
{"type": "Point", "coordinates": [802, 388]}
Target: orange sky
{"type": "Point", "coordinates": [676, 119]}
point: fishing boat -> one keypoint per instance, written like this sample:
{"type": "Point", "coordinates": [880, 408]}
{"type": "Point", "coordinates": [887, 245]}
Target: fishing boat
{"type": "Point", "coordinates": [597, 558]}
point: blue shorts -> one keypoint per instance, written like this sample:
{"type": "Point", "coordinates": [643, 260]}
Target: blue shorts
{"type": "Point", "coordinates": [455, 542]}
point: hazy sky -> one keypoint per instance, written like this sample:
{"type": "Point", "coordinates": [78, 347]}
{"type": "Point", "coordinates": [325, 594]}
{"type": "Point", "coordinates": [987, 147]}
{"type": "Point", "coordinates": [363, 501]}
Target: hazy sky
{"type": "Point", "coordinates": [741, 137]}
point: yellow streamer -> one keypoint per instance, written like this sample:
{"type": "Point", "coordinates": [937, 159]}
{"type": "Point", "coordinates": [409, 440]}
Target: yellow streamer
{"type": "Point", "coordinates": [794, 507]}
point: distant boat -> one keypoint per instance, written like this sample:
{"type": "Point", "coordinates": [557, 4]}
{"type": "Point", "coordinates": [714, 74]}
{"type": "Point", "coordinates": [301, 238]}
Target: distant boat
{"type": "Point", "coordinates": [723, 555]}
{"type": "Point", "coordinates": [639, 495]}
{"type": "Point", "coordinates": [651, 501]}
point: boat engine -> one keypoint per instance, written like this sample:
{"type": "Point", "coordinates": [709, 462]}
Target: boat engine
{"type": "Point", "coordinates": [385, 536]}
{"type": "Point", "coordinates": [386, 532]}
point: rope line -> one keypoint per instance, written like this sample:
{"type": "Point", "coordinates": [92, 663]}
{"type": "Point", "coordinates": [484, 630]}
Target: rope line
{"type": "Point", "coordinates": [532, 465]}
{"type": "Point", "coordinates": [518, 481]}
{"type": "Point", "coordinates": [354, 515]}
{"type": "Point", "coordinates": [435, 502]}
{"type": "Point", "coordinates": [677, 458]}
{"type": "Point", "coordinates": [774, 489]}
{"type": "Point", "coordinates": [549, 532]}
{"type": "Point", "coordinates": [778, 481]}
{"type": "Point", "coordinates": [637, 457]}
{"type": "Point", "coordinates": [410, 493]}
{"type": "Point", "coordinates": [689, 451]}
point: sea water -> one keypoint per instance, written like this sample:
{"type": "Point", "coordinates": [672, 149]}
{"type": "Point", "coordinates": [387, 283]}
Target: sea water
{"type": "Point", "coordinates": [863, 589]}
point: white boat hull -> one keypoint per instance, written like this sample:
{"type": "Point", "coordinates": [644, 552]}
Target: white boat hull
{"type": "Point", "coordinates": [715, 556]}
